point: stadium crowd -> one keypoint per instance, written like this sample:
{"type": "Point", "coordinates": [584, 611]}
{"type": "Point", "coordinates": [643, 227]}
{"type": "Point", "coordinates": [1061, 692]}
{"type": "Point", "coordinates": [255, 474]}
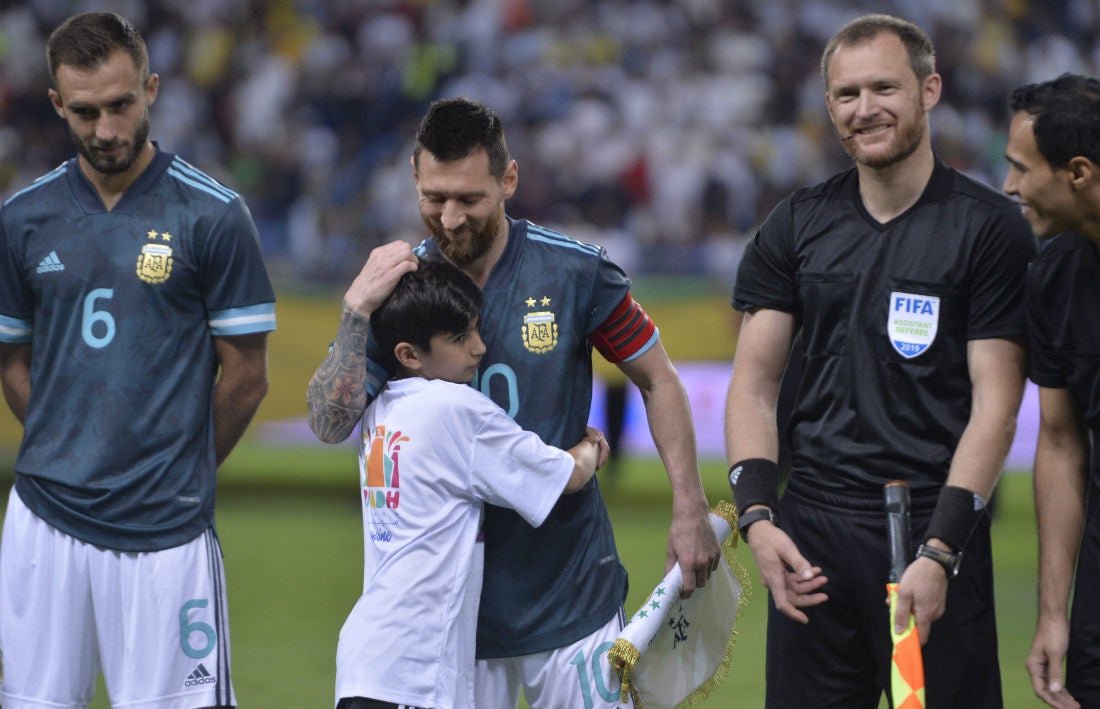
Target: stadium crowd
{"type": "Point", "coordinates": [663, 129]}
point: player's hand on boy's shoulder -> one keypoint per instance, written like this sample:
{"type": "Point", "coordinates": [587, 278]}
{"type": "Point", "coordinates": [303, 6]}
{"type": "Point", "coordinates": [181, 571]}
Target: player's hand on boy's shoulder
{"type": "Point", "coordinates": [379, 276]}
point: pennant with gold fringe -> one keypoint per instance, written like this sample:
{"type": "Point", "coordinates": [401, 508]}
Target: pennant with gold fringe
{"type": "Point", "coordinates": [674, 651]}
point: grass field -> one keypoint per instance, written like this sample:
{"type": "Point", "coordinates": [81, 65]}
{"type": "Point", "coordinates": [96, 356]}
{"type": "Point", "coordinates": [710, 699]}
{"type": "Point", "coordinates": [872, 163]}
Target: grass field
{"type": "Point", "coordinates": [290, 526]}
{"type": "Point", "coordinates": [294, 567]}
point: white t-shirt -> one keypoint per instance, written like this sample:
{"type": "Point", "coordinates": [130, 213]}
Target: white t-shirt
{"type": "Point", "coordinates": [430, 454]}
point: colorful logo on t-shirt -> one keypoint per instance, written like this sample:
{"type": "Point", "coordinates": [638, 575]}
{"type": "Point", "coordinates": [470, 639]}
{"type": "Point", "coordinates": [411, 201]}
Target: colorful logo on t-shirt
{"type": "Point", "coordinates": [540, 331]}
{"type": "Point", "coordinates": [913, 322]}
{"type": "Point", "coordinates": [383, 483]}
{"type": "Point", "coordinates": [154, 263]}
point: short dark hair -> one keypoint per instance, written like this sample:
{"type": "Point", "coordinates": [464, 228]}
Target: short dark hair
{"type": "Point", "coordinates": [1065, 116]}
{"type": "Point", "coordinates": [922, 53]}
{"type": "Point", "coordinates": [456, 128]}
{"type": "Point", "coordinates": [87, 40]}
{"type": "Point", "coordinates": [435, 298]}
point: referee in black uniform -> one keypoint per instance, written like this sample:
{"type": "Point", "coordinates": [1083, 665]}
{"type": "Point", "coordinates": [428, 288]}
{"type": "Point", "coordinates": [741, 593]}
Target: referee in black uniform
{"type": "Point", "coordinates": [904, 280]}
{"type": "Point", "coordinates": [1053, 153]}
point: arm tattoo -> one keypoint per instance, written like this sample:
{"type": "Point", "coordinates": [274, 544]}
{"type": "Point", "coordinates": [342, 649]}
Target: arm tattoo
{"type": "Point", "coordinates": [337, 393]}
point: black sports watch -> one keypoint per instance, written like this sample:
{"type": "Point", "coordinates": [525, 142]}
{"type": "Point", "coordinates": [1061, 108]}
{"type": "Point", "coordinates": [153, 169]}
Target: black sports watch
{"type": "Point", "coordinates": [950, 561]}
{"type": "Point", "coordinates": [753, 517]}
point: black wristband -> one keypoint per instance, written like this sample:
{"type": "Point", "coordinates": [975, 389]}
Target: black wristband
{"type": "Point", "coordinates": [754, 481]}
{"type": "Point", "coordinates": [957, 513]}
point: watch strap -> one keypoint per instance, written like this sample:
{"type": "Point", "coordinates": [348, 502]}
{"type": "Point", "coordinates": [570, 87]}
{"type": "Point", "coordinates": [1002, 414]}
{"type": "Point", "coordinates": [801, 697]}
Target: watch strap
{"type": "Point", "coordinates": [950, 561]}
{"type": "Point", "coordinates": [750, 518]}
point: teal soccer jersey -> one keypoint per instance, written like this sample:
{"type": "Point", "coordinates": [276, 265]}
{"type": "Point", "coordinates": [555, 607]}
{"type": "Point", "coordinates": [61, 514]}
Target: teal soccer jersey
{"type": "Point", "coordinates": [121, 309]}
{"type": "Point", "coordinates": [547, 586]}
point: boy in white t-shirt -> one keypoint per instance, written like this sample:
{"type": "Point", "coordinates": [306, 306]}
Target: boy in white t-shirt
{"type": "Point", "coordinates": [432, 451]}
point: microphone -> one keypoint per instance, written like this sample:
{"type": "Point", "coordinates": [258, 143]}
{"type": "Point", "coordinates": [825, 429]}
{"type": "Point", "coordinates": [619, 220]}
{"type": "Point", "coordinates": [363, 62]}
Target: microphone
{"type": "Point", "coordinates": [848, 137]}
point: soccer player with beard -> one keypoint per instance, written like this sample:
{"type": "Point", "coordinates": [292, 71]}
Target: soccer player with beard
{"type": "Point", "coordinates": [134, 312]}
{"type": "Point", "coordinates": [903, 279]}
{"type": "Point", "coordinates": [552, 599]}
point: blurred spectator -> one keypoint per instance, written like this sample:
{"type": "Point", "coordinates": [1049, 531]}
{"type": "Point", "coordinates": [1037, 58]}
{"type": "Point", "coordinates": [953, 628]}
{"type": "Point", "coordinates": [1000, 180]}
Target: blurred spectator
{"type": "Point", "coordinates": [669, 127]}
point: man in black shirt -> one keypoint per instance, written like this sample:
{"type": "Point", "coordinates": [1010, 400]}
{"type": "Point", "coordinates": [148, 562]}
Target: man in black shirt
{"type": "Point", "coordinates": [1053, 153]}
{"type": "Point", "coordinates": [903, 279]}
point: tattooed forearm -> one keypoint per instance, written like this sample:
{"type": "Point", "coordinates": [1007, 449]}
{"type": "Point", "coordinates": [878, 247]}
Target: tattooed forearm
{"type": "Point", "coordinates": [337, 392]}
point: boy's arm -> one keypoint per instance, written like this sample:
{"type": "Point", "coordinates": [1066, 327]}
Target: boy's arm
{"type": "Point", "coordinates": [589, 456]}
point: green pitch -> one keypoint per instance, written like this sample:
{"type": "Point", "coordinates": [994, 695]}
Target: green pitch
{"type": "Point", "coordinates": [294, 568]}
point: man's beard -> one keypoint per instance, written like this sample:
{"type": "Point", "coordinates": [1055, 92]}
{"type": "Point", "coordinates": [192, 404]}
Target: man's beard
{"type": "Point", "coordinates": [114, 165]}
{"type": "Point", "coordinates": [908, 140]}
{"type": "Point", "coordinates": [470, 245]}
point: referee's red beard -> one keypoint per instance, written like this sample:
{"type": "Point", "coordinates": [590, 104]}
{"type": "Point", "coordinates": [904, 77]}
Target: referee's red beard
{"type": "Point", "coordinates": [909, 134]}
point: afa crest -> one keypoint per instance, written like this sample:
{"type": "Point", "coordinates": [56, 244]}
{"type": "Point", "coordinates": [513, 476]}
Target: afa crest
{"type": "Point", "coordinates": [154, 263]}
{"type": "Point", "coordinates": [540, 331]}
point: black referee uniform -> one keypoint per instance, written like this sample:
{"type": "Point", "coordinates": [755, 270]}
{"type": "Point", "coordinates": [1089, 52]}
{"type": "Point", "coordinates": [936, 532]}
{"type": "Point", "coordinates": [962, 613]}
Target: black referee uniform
{"type": "Point", "coordinates": [885, 314]}
{"type": "Point", "coordinates": [1063, 312]}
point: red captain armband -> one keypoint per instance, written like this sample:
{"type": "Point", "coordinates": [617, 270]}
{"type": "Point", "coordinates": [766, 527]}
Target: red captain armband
{"type": "Point", "coordinates": [625, 333]}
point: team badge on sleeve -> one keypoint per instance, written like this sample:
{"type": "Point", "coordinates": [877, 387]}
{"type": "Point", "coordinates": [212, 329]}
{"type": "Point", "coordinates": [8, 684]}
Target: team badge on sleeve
{"type": "Point", "coordinates": [913, 322]}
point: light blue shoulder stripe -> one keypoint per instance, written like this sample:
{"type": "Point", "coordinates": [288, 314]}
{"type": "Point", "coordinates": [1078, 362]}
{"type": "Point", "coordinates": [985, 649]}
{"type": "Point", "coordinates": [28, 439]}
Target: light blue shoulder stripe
{"type": "Point", "coordinates": [548, 236]}
{"type": "Point", "coordinates": [43, 180]}
{"type": "Point", "coordinates": [243, 321]}
{"type": "Point", "coordinates": [420, 249]}
{"type": "Point", "coordinates": [192, 171]}
{"type": "Point", "coordinates": [13, 330]}
{"type": "Point", "coordinates": [205, 187]}
{"type": "Point", "coordinates": [646, 347]}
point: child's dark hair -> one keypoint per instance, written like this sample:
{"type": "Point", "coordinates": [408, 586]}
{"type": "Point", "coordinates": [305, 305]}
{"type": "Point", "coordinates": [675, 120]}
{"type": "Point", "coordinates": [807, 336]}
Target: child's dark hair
{"type": "Point", "coordinates": [435, 298]}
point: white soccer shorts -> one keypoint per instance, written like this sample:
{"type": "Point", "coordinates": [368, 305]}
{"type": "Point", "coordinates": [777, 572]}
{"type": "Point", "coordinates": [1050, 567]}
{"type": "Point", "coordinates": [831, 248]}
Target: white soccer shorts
{"type": "Point", "coordinates": [154, 622]}
{"type": "Point", "coordinates": [578, 676]}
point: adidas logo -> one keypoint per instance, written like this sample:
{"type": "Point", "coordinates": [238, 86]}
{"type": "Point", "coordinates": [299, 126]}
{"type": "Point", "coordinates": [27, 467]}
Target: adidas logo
{"type": "Point", "coordinates": [50, 263]}
{"type": "Point", "coordinates": [200, 675]}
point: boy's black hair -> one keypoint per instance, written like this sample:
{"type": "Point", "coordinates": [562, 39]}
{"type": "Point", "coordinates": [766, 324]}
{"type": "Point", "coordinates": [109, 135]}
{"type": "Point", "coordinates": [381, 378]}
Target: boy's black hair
{"type": "Point", "coordinates": [435, 298]}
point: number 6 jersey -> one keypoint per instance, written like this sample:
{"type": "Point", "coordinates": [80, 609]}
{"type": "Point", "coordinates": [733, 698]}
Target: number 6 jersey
{"type": "Point", "coordinates": [121, 309]}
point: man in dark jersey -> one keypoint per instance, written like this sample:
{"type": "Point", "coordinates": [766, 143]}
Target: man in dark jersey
{"type": "Point", "coordinates": [134, 312]}
{"type": "Point", "coordinates": [903, 279]}
{"type": "Point", "coordinates": [1053, 154]}
{"type": "Point", "coordinates": [552, 598]}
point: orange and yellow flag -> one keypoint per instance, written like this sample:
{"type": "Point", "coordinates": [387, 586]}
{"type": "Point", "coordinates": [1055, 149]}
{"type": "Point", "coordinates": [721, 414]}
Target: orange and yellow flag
{"type": "Point", "coordinates": [906, 665]}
